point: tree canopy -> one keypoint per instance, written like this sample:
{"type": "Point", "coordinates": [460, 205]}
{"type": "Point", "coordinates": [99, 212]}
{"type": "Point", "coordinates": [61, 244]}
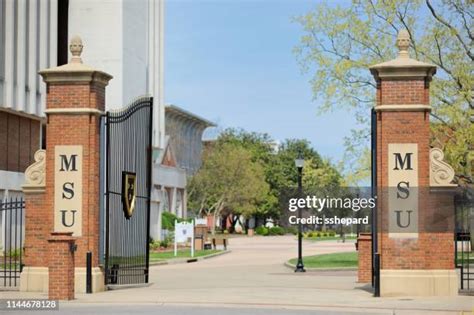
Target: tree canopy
{"type": "Point", "coordinates": [340, 43]}
{"type": "Point", "coordinates": [248, 172]}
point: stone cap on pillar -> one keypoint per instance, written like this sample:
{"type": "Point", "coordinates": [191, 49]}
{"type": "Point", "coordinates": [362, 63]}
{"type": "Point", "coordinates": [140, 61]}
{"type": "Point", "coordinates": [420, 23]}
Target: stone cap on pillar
{"type": "Point", "coordinates": [75, 71]}
{"type": "Point", "coordinates": [403, 66]}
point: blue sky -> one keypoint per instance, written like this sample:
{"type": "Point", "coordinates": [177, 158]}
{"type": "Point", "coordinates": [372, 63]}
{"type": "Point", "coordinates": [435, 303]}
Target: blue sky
{"type": "Point", "coordinates": [232, 62]}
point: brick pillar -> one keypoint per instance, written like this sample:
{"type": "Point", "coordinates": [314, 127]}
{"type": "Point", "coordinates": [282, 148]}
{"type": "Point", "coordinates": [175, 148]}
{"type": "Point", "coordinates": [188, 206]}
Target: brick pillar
{"type": "Point", "coordinates": [61, 266]}
{"type": "Point", "coordinates": [411, 239]}
{"type": "Point", "coordinates": [364, 249]}
{"type": "Point", "coordinates": [74, 103]}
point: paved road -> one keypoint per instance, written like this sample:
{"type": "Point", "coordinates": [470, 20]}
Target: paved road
{"type": "Point", "coordinates": [97, 309]}
{"type": "Point", "coordinates": [251, 278]}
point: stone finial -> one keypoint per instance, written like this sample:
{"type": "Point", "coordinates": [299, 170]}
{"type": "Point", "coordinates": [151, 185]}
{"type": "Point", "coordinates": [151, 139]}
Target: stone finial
{"type": "Point", "coordinates": [76, 49]}
{"type": "Point", "coordinates": [403, 43]}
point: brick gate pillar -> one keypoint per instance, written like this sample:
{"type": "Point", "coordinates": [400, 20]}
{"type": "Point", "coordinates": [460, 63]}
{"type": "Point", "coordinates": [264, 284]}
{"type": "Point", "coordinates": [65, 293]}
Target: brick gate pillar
{"type": "Point", "coordinates": [74, 104]}
{"type": "Point", "coordinates": [415, 208]}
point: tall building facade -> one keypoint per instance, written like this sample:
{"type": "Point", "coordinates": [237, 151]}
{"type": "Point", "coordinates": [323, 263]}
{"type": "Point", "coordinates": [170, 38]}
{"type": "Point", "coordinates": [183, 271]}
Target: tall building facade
{"type": "Point", "coordinates": [125, 38]}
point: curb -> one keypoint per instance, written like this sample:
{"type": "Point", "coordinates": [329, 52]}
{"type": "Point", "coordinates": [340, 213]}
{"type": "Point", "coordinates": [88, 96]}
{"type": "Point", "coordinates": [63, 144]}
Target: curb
{"type": "Point", "coordinates": [291, 266]}
{"type": "Point", "coordinates": [187, 260]}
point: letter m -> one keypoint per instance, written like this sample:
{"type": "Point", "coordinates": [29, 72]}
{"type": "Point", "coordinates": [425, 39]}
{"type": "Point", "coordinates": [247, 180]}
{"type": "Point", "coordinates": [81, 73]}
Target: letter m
{"type": "Point", "coordinates": [406, 161]}
{"type": "Point", "coordinates": [68, 165]}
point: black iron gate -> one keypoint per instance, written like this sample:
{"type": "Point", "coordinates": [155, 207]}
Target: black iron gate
{"type": "Point", "coordinates": [464, 254]}
{"type": "Point", "coordinates": [12, 225]}
{"type": "Point", "coordinates": [127, 192]}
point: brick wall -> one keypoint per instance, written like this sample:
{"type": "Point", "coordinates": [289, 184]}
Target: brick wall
{"type": "Point", "coordinates": [433, 249]}
{"type": "Point", "coordinates": [19, 140]}
{"type": "Point", "coordinates": [38, 226]}
{"type": "Point", "coordinates": [364, 252]}
{"type": "Point", "coordinates": [83, 129]}
{"type": "Point", "coordinates": [61, 267]}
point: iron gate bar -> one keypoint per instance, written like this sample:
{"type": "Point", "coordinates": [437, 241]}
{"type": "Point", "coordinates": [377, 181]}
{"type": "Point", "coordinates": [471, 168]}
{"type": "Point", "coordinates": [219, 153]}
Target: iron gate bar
{"type": "Point", "coordinates": [12, 240]}
{"type": "Point", "coordinates": [128, 149]}
{"type": "Point", "coordinates": [464, 207]}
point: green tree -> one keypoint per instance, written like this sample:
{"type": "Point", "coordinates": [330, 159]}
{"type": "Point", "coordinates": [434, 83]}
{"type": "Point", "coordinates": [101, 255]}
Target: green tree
{"type": "Point", "coordinates": [341, 42]}
{"type": "Point", "coordinates": [228, 178]}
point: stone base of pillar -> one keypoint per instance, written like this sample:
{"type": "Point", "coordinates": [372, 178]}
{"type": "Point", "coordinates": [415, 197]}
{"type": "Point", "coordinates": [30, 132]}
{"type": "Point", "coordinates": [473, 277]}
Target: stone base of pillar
{"type": "Point", "coordinates": [35, 279]}
{"type": "Point", "coordinates": [418, 282]}
{"type": "Point", "coordinates": [98, 280]}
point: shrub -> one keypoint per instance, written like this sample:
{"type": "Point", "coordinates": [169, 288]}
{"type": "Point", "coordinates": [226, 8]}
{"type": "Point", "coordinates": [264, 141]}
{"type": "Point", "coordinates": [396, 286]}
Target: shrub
{"type": "Point", "coordinates": [168, 220]}
{"type": "Point", "coordinates": [14, 253]}
{"type": "Point", "coordinates": [164, 243]}
{"type": "Point", "coordinates": [332, 233]}
{"type": "Point", "coordinates": [292, 230]}
{"type": "Point", "coordinates": [261, 230]}
{"type": "Point", "coordinates": [325, 234]}
{"type": "Point", "coordinates": [276, 230]}
{"type": "Point", "coordinates": [318, 234]}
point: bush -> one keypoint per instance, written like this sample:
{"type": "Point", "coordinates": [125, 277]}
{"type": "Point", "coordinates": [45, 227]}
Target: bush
{"type": "Point", "coordinates": [168, 220]}
{"type": "Point", "coordinates": [325, 234]}
{"type": "Point", "coordinates": [292, 230]}
{"type": "Point", "coordinates": [165, 243]}
{"type": "Point", "coordinates": [276, 230]}
{"type": "Point", "coordinates": [310, 234]}
{"type": "Point", "coordinates": [14, 253]}
{"type": "Point", "coordinates": [318, 234]}
{"type": "Point", "coordinates": [261, 230]}
{"type": "Point", "coordinates": [332, 233]}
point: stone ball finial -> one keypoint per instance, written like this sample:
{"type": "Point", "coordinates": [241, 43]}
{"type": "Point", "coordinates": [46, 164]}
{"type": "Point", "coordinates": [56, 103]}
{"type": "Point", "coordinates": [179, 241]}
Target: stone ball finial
{"type": "Point", "coordinates": [76, 49]}
{"type": "Point", "coordinates": [403, 43]}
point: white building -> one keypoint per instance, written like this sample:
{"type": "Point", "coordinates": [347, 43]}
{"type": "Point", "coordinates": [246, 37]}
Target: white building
{"type": "Point", "coordinates": [124, 38]}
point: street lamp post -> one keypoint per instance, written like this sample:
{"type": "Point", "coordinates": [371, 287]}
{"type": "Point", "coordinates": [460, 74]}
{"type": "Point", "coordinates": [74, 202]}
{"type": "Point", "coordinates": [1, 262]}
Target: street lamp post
{"type": "Point", "coordinates": [299, 163]}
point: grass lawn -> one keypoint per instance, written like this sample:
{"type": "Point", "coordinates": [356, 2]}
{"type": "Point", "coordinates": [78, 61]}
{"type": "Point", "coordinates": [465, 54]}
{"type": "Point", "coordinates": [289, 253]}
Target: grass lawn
{"type": "Point", "coordinates": [329, 238]}
{"type": "Point", "coordinates": [335, 260]}
{"type": "Point", "coordinates": [182, 253]}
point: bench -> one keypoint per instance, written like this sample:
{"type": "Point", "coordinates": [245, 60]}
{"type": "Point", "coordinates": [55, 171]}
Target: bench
{"type": "Point", "coordinates": [220, 241]}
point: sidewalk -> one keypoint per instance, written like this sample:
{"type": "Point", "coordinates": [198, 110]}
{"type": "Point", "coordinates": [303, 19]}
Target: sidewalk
{"type": "Point", "coordinates": [253, 275]}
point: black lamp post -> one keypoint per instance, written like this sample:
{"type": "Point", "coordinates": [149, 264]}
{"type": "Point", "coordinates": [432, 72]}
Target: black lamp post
{"type": "Point", "coordinates": [299, 163]}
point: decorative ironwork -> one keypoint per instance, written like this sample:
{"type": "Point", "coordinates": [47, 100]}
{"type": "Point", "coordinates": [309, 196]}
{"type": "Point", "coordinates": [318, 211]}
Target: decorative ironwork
{"type": "Point", "coordinates": [128, 144]}
{"type": "Point", "coordinates": [12, 222]}
{"type": "Point", "coordinates": [464, 254]}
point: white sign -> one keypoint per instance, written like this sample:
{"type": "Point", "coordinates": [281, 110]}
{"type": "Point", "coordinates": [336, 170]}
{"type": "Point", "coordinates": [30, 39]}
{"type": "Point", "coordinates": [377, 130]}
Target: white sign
{"type": "Point", "coordinates": [182, 232]}
{"type": "Point", "coordinates": [68, 189]}
{"type": "Point", "coordinates": [202, 221]}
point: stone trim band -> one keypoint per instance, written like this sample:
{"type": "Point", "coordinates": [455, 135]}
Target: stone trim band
{"type": "Point", "coordinates": [74, 111]}
{"type": "Point", "coordinates": [403, 107]}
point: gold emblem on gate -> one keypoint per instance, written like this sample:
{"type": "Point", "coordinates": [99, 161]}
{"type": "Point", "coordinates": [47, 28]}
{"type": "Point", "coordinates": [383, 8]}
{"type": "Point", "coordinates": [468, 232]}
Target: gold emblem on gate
{"type": "Point", "coordinates": [129, 193]}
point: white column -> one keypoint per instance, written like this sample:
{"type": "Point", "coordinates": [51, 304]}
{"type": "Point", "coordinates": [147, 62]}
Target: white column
{"type": "Point", "coordinates": [9, 52]}
{"type": "Point", "coordinates": [156, 70]}
{"type": "Point", "coordinates": [43, 48]}
{"type": "Point", "coordinates": [160, 70]}
{"type": "Point", "coordinates": [173, 202]}
{"type": "Point", "coordinates": [21, 56]}
{"type": "Point", "coordinates": [32, 73]}
{"type": "Point", "coordinates": [185, 203]}
{"type": "Point", "coordinates": [53, 35]}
